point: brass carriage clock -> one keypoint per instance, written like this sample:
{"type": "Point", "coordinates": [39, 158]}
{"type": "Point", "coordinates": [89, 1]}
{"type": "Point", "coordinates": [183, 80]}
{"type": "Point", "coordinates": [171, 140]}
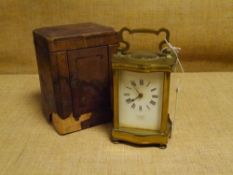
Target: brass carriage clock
{"type": "Point", "coordinates": [141, 93]}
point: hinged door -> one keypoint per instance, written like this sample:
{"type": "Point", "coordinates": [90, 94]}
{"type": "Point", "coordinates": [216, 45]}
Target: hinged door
{"type": "Point", "coordinates": [89, 81]}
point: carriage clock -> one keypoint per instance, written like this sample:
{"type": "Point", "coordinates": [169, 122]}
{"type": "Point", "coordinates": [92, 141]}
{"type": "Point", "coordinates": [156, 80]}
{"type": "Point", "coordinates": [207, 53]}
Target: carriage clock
{"type": "Point", "coordinates": [141, 83]}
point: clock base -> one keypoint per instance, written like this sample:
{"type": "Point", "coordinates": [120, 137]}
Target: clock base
{"type": "Point", "coordinates": [142, 137]}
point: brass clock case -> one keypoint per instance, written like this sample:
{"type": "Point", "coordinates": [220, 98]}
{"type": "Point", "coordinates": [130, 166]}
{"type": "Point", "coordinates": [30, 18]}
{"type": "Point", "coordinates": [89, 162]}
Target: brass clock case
{"type": "Point", "coordinates": [144, 63]}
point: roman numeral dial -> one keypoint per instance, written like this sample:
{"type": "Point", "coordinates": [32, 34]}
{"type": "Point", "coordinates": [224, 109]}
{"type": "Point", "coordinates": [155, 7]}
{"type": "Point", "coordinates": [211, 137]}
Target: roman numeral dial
{"type": "Point", "coordinates": [140, 95]}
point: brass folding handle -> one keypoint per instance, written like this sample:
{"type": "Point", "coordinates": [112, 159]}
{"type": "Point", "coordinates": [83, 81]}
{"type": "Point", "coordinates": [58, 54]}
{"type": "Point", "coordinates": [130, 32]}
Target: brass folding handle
{"type": "Point", "coordinates": [134, 31]}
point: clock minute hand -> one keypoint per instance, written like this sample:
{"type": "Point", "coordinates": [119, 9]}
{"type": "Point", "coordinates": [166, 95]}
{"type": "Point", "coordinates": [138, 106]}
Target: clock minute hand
{"type": "Point", "coordinates": [136, 90]}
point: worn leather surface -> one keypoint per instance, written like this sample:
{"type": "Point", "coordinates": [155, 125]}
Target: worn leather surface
{"type": "Point", "coordinates": [203, 29]}
{"type": "Point", "coordinates": [201, 140]}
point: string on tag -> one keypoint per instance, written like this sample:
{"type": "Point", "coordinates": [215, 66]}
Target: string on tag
{"type": "Point", "coordinates": [175, 50]}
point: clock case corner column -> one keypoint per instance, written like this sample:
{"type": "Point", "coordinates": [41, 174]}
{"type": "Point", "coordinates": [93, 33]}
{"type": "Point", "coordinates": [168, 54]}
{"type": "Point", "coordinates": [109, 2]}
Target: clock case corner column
{"type": "Point", "coordinates": [165, 103]}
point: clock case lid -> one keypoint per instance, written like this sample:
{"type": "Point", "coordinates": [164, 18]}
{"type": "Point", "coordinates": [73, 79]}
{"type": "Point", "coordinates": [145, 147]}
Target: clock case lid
{"type": "Point", "coordinates": [75, 36]}
{"type": "Point", "coordinates": [165, 60]}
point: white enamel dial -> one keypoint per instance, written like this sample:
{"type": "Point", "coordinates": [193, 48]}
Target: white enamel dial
{"type": "Point", "coordinates": [140, 99]}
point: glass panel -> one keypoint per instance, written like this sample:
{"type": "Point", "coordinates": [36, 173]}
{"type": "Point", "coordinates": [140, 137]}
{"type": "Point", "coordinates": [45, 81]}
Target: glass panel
{"type": "Point", "coordinates": [140, 99]}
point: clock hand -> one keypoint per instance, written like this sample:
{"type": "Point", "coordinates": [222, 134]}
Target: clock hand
{"type": "Point", "coordinates": [136, 90]}
{"type": "Point", "coordinates": [140, 95]}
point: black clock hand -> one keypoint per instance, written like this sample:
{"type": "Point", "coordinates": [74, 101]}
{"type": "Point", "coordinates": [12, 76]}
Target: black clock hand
{"type": "Point", "coordinates": [140, 95]}
{"type": "Point", "coordinates": [136, 90]}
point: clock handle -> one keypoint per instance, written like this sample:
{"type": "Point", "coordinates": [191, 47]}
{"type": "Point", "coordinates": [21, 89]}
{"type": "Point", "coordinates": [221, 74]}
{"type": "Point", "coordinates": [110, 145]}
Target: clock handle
{"type": "Point", "coordinates": [133, 31]}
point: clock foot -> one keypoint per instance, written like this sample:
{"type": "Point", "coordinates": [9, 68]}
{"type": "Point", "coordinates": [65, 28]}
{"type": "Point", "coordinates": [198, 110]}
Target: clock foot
{"type": "Point", "coordinates": [162, 146]}
{"type": "Point", "coordinates": [170, 136]}
{"type": "Point", "coordinates": [115, 141]}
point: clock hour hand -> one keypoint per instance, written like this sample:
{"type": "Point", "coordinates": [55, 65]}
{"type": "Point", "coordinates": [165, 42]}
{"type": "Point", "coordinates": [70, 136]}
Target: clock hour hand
{"type": "Point", "coordinates": [140, 95]}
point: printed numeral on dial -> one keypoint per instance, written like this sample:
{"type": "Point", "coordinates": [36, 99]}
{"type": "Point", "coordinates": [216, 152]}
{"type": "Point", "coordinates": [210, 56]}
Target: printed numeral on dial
{"type": "Point", "coordinates": [152, 102]}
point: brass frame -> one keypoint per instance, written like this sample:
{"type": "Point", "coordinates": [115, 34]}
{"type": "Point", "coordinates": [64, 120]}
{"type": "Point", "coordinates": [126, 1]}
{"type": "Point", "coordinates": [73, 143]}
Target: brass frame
{"type": "Point", "coordinates": [145, 137]}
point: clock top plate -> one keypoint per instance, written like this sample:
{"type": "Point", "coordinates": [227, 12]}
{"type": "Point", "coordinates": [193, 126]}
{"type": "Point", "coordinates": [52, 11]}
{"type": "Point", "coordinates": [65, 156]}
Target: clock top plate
{"type": "Point", "coordinates": [144, 61]}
